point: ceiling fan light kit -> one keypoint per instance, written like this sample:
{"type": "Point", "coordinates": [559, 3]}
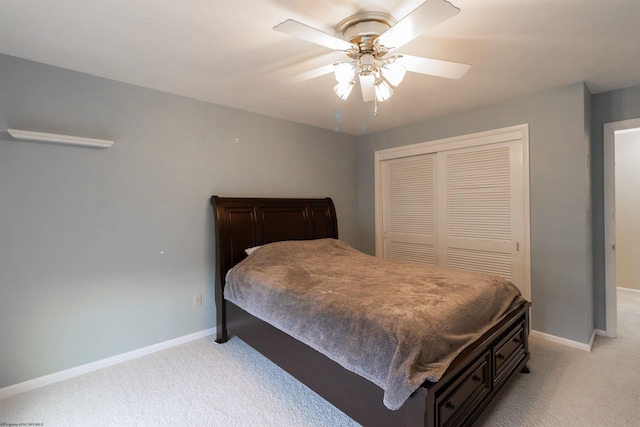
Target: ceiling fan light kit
{"type": "Point", "coordinates": [383, 90]}
{"type": "Point", "coordinates": [345, 71]}
{"type": "Point", "coordinates": [343, 89]}
{"type": "Point", "coordinates": [367, 38]}
{"type": "Point", "coordinates": [393, 71]}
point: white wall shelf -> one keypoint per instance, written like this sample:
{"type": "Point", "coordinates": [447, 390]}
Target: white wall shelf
{"type": "Point", "coordinates": [53, 138]}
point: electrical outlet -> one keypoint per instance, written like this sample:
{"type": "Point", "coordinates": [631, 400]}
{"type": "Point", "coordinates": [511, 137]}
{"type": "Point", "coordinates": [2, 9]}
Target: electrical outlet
{"type": "Point", "coordinates": [197, 300]}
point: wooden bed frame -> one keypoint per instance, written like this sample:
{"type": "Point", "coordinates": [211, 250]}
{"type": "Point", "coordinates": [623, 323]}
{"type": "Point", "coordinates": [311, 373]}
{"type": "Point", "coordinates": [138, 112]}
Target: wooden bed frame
{"type": "Point", "coordinates": [467, 387]}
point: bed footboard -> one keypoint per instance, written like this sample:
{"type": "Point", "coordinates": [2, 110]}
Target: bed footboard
{"type": "Point", "coordinates": [467, 388]}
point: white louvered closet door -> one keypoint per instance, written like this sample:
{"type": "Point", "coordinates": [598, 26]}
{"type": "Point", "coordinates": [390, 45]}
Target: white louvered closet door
{"type": "Point", "coordinates": [410, 214]}
{"type": "Point", "coordinates": [481, 219]}
{"type": "Point", "coordinates": [460, 208]}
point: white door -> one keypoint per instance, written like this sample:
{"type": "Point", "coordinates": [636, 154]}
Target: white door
{"type": "Point", "coordinates": [410, 213]}
{"type": "Point", "coordinates": [463, 208]}
{"type": "Point", "coordinates": [481, 212]}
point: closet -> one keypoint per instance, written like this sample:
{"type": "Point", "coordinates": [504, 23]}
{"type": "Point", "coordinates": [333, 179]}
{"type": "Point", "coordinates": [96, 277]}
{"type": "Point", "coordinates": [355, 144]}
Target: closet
{"type": "Point", "coordinates": [460, 203]}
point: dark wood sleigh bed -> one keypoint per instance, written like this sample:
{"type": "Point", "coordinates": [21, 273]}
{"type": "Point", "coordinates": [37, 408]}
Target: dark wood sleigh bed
{"type": "Point", "coordinates": [467, 387]}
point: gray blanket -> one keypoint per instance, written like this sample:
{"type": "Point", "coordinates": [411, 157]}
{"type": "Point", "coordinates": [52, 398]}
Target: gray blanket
{"type": "Point", "coordinates": [396, 324]}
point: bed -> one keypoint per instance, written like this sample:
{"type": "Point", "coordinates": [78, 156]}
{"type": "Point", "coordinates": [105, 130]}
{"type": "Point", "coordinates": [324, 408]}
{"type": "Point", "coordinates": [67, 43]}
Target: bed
{"type": "Point", "coordinates": [472, 379]}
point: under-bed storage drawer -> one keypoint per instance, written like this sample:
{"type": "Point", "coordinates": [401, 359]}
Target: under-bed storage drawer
{"type": "Point", "coordinates": [509, 352]}
{"type": "Point", "coordinates": [465, 394]}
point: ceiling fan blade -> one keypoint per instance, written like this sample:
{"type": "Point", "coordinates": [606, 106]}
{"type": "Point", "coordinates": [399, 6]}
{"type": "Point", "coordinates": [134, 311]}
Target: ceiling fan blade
{"type": "Point", "coordinates": [422, 19]}
{"type": "Point", "coordinates": [310, 34]}
{"type": "Point", "coordinates": [311, 74]}
{"type": "Point", "coordinates": [367, 87]}
{"type": "Point", "coordinates": [434, 67]}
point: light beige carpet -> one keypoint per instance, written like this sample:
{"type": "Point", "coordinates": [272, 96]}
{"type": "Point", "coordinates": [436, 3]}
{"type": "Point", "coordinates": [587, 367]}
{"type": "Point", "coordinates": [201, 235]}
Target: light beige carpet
{"type": "Point", "coordinates": [205, 384]}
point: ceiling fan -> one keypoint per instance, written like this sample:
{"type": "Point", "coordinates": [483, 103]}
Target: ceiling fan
{"type": "Point", "coordinates": [369, 40]}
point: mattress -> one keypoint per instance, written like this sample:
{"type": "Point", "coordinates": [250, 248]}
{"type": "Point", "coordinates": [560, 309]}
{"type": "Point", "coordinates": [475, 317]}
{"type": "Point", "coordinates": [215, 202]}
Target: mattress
{"type": "Point", "coordinates": [397, 324]}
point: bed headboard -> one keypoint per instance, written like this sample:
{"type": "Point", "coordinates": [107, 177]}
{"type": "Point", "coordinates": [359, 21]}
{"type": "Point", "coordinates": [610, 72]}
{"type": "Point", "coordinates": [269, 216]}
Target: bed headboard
{"type": "Point", "coordinates": [242, 223]}
{"type": "Point", "coordinates": [245, 222]}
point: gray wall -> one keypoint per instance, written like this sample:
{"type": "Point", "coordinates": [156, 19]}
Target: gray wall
{"type": "Point", "coordinates": [102, 251]}
{"type": "Point", "coordinates": [614, 106]}
{"type": "Point", "coordinates": [559, 178]}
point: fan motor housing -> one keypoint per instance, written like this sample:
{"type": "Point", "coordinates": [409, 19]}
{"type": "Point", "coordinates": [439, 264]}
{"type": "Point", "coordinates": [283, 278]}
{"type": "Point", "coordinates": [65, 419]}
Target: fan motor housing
{"type": "Point", "coordinates": [364, 26]}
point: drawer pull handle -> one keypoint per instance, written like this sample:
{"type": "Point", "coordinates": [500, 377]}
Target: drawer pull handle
{"type": "Point", "coordinates": [476, 379]}
{"type": "Point", "coordinates": [500, 356]}
{"type": "Point", "coordinates": [450, 406]}
{"type": "Point", "coordinates": [517, 341]}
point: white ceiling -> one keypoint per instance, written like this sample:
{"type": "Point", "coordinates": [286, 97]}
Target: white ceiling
{"type": "Point", "coordinates": [225, 51]}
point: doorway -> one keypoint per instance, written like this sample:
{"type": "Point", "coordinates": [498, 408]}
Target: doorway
{"type": "Point", "coordinates": [611, 131]}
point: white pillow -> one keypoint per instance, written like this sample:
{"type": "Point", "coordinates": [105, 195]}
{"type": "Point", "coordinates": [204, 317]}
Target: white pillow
{"type": "Point", "coordinates": [249, 251]}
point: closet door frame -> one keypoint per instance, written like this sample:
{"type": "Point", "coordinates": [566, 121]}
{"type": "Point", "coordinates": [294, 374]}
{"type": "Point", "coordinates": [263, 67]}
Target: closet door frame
{"type": "Point", "coordinates": [519, 132]}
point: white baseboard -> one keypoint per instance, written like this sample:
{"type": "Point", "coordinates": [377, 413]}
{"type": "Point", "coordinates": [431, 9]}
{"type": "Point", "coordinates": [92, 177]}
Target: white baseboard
{"type": "Point", "coordinates": [593, 338]}
{"type": "Point", "coordinates": [94, 366]}
{"type": "Point", "coordinates": [564, 341]}
{"type": "Point", "coordinates": [99, 364]}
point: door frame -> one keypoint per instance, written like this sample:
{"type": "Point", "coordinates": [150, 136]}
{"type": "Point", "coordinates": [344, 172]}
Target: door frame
{"type": "Point", "coordinates": [611, 298]}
